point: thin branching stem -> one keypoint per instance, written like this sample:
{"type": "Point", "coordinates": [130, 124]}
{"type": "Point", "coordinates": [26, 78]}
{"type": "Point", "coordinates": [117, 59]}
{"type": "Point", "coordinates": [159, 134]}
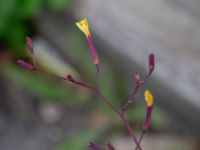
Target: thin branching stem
{"type": "Point", "coordinates": [120, 112]}
{"type": "Point", "coordinates": [136, 88]}
{"type": "Point", "coordinates": [98, 93]}
{"type": "Point", "coordinates": [130, 130]}
{"type": "Point", "coordinates": [141, 137]}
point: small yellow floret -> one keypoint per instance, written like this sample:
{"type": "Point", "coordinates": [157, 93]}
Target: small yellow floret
{"type": "Point", "coordinates": [148, 98]}
{"type": "Point", "coordinates": [83, 26]}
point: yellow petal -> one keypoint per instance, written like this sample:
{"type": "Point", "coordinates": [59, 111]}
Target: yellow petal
{"type": "Point", "coordinates": [148, 98]}
{"type": "Point", "coordinates": [83, 26]}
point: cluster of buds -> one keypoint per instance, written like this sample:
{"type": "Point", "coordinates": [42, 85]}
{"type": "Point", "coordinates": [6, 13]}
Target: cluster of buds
{"type": "Point", "coordinates": [24, 64]}
{"type": "Point", "coordinates": [84, 27]}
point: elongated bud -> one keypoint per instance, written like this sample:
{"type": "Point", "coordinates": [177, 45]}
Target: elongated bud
{"type": "Point", "coordinates": [25, 65]}
{"type": "Point", "coordinates": [84, 27]}
{"type": "Point", "coordinates": [93, 51]}
{"type": "Point", "coordinates": [151, 62]}
{"type": "Point", "coordinates": [29, 44]}
{"type": "Point", "coordinates": [110, 146]}
{"type": "Point", "coordinates": [94, 146]}
{"type": "Point", "coordinates": [149, 107]}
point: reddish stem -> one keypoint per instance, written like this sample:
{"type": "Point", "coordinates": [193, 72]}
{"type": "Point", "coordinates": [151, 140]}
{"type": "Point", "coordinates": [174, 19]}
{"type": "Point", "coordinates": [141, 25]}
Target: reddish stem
{"type": "Point", "coordinates": [141, 137]}
{"type": "Point", "coordinates": [98, 93]}
{"type": "Point", "coordinates": [130, 130]}
{"type": "Point", "coordinates": [137, 86]}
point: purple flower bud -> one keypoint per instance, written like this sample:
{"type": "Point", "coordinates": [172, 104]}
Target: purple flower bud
{"type": "Point", "coordinates": [93, 146]}
{"type": "Point", "coordinates": [110, 146]}
{"type": "Point", "coordinates": [69, 77]}
{"type": "Point", "coordinates": [25, 65]}
{"type": "Point", "coordinates": [29, 44]}
{"type": "Point", "coordinates": [92, 50]}
{"type": "Point", "coordinates": [151, 62]}
{"type": "Point", "coordinates": [148, 118]}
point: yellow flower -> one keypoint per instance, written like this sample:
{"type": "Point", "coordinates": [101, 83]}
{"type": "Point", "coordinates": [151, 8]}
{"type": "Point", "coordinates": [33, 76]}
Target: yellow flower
{"type": "Point", "coordinates": [148, 98]}
{"type": "Point", "coordinates": [83, 26]}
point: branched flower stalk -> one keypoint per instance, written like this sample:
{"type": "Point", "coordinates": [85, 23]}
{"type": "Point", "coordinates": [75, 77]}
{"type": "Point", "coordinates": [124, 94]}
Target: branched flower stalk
{"type": "Point", "coordinates": [84, 27]}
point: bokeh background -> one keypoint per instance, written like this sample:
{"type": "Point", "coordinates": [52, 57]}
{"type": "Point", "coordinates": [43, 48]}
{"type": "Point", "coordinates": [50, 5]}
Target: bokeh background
{"type": "Point", "coordinates": [40, 113]}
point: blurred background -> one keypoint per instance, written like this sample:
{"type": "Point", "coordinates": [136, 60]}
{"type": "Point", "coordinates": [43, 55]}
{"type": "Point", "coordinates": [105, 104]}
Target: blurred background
{"type": "Point", "coordinates": [40, 113]}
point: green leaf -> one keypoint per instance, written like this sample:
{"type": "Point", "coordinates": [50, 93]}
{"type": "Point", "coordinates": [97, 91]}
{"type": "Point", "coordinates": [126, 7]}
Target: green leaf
{"type": "Point", "coordinates": [58, 5]}
{"type": "Point", "coordinates": [28, 9]}
{"type": "Point", "coordinates": [6, 12]}
{"type": "Point", "coordinates": [15, 36]}
{"type": "Point", "coordinates": [7, 8]}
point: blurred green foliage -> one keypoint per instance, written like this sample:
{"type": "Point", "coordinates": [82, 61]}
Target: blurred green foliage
{"type": "Point", "coordinates": [44, 87]}
{"type": "Point", "coordinates": [78, 142]}
{"type": "Point", "coordinates": [16, 16]}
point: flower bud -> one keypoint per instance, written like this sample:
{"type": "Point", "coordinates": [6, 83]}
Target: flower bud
{"type": "Point", "coordinates": [84, 27]}
{"type": "Point", "coordinates": [151, 62]}
{"type": "Point", "coordinates": [69, 77]}
{"type": "Point", "coordinates": [29, 44]}
{"type": "Point", "coordinates": [110, 146]}
{"type": "Point", "coordinates": [25, 65]}
{"type": "Point", "coordinates": [149, 107]}
{"type": "Point", "coordinates": [93, 51]}
{"type": "Point", "coordinates": [94, 146]}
